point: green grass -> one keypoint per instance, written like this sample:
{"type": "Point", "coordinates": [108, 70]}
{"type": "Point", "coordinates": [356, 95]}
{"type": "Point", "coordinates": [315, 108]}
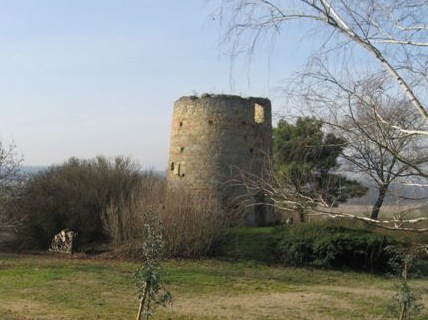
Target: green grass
{"type": "Point", "coordinates": [51, 287]}
{"type": "Point", "coordinates": [245, 243]}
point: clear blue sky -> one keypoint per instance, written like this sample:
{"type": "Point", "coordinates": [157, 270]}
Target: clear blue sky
{"type": "Point", "coordinates": [88, 77]}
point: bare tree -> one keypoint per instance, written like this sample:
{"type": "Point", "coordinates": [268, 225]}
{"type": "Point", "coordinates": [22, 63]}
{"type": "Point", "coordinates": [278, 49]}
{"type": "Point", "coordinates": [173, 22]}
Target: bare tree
{"type": "Point", "coordinates": [393, 32]}
{"type": "Point", "coordinates": [380, 129]}
{"type": "Point", "coordinates": [10, 162]}
{"type": "Point", "coordinates": [380, 151]}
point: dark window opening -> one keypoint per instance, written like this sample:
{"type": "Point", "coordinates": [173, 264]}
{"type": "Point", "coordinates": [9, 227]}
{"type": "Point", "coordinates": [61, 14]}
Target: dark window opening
{"type": "Point", "coordinates": [210, 122]}
{"type": "Point", "coordinates": [172, 166]}
{"type": "Point", "coordinates": [181, 123]}
{"type": "Point", "coordinates": [181, 149]}
{"type": "Point", "coordinates": [251, 150]}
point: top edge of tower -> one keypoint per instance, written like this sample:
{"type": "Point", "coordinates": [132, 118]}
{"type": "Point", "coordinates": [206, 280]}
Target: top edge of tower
{"type": "Point", "coordinates": [209, 96]}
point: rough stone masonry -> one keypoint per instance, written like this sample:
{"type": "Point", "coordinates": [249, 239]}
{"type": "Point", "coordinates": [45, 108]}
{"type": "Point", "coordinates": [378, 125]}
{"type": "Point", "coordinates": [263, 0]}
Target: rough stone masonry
{"type": "Point", "coordinates": [214, 138]}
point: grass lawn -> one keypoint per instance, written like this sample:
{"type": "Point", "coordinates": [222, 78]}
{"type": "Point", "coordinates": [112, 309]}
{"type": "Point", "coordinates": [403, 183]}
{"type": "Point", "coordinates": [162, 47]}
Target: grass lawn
{"type": "Point", "coordinates": [60, 287]}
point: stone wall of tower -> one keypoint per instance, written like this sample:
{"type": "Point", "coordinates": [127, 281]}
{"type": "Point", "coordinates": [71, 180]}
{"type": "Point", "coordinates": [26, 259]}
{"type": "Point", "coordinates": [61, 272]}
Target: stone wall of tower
{"type": "Point", "coordinates": [213, 138]}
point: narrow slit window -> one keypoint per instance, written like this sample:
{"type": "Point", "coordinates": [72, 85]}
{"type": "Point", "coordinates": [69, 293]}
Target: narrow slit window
{"type": "Point", "coordinates": [177, 170]}
{"type": "Point", "coordinates": [259, 113]}
{"type": "Point", "coordinates": [182, 170]}
{"type": "Point", "coordinates": [181, 123]}
{"type": "Point", "coordinates": [172, 166]}
{"type": "Point", "coordinates": [181, 149]}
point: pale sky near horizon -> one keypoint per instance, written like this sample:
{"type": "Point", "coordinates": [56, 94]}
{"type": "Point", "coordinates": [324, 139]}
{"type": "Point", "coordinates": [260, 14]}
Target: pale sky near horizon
{"type": "Point", "coordinates": [89, 77]}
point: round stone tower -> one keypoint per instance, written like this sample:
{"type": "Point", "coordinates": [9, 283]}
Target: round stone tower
{"type": "Point", "coordinates": [214, 139]}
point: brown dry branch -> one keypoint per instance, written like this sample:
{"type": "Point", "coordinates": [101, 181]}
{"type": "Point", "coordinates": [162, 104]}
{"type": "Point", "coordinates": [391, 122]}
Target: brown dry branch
{"type": "Point", "coordinates": [284, 198]}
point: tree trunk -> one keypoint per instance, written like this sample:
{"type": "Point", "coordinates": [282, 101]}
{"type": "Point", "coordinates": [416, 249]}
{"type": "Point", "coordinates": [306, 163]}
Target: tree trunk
{"type": "Point", "coordinates": [380, 198]}
{"type": "Point", "coordinates": [403, 314]}
{"type": "Point", "coordinates": [143, 300]}
{"type": "Point", "coordinates": [301, 213]}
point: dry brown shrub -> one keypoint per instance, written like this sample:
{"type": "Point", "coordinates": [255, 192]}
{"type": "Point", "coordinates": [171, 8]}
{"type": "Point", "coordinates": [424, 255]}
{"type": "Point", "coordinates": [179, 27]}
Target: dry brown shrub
{"type": "Point", "coordinates": [191, 220]}
{"type": "Point", "coordinates": [123, 220]}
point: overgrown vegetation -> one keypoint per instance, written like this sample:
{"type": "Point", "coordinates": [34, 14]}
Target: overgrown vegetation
{"type": "Point", "coordinates": [106, 200]}
{"type": "Point", "coordinates": [73, 195]}
{"type": "Point", "coordinates": [191, 221]}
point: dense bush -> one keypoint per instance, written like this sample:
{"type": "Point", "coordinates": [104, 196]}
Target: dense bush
{"type": "Point", "coordinates": [73, 195]}
{"type": "Point", "coordinates": [318, 245]}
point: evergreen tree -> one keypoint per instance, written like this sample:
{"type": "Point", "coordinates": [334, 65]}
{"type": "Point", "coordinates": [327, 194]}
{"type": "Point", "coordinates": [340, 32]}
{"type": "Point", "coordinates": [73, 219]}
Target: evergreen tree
{"type": "Point", "coordinates": [307, 159]}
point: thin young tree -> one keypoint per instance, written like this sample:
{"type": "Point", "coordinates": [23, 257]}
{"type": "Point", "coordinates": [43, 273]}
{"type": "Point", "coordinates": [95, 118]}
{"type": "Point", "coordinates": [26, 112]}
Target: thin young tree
{"type": "Point", "coordinates": [149, 277]}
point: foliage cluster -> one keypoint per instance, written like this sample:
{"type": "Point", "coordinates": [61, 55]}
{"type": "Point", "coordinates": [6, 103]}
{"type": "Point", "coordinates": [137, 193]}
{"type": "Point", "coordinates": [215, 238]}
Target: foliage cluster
{"type": "Point", "coordinates": [326, 246]}
{"type": "Point", "coordinates": [307, 158]}
{"type": "Point", "coordinates": [72, 195]}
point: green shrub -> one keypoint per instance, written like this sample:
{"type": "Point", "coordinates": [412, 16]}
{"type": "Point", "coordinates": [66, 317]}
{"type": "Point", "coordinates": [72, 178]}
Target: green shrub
{"type": "Point", "coordinates": [317, 245]}
{"type": "Point", "coordinates": [73, 195]}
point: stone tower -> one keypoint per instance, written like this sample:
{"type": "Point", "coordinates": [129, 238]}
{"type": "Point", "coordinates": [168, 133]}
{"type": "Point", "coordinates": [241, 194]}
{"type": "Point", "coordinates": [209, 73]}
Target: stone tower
{"type": "Point", "coordinates": [215, 138]}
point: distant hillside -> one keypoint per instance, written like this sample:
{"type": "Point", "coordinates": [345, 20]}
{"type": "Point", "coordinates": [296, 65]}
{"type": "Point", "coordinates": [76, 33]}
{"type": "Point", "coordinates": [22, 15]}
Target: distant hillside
{"type": "Point", "coordinates": [402, 194]}
{"type": "Point", "coordinates": [32, 169]}
{"type": "Point", "coordinates": [397, 193]}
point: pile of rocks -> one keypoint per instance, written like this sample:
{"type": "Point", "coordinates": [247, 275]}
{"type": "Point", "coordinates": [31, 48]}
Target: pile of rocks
{"type": "Point", "coordinates": [64, 241]}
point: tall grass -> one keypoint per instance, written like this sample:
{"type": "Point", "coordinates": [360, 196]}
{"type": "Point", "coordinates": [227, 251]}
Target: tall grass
{"type": "Point", "coordinates": [192, 222]}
